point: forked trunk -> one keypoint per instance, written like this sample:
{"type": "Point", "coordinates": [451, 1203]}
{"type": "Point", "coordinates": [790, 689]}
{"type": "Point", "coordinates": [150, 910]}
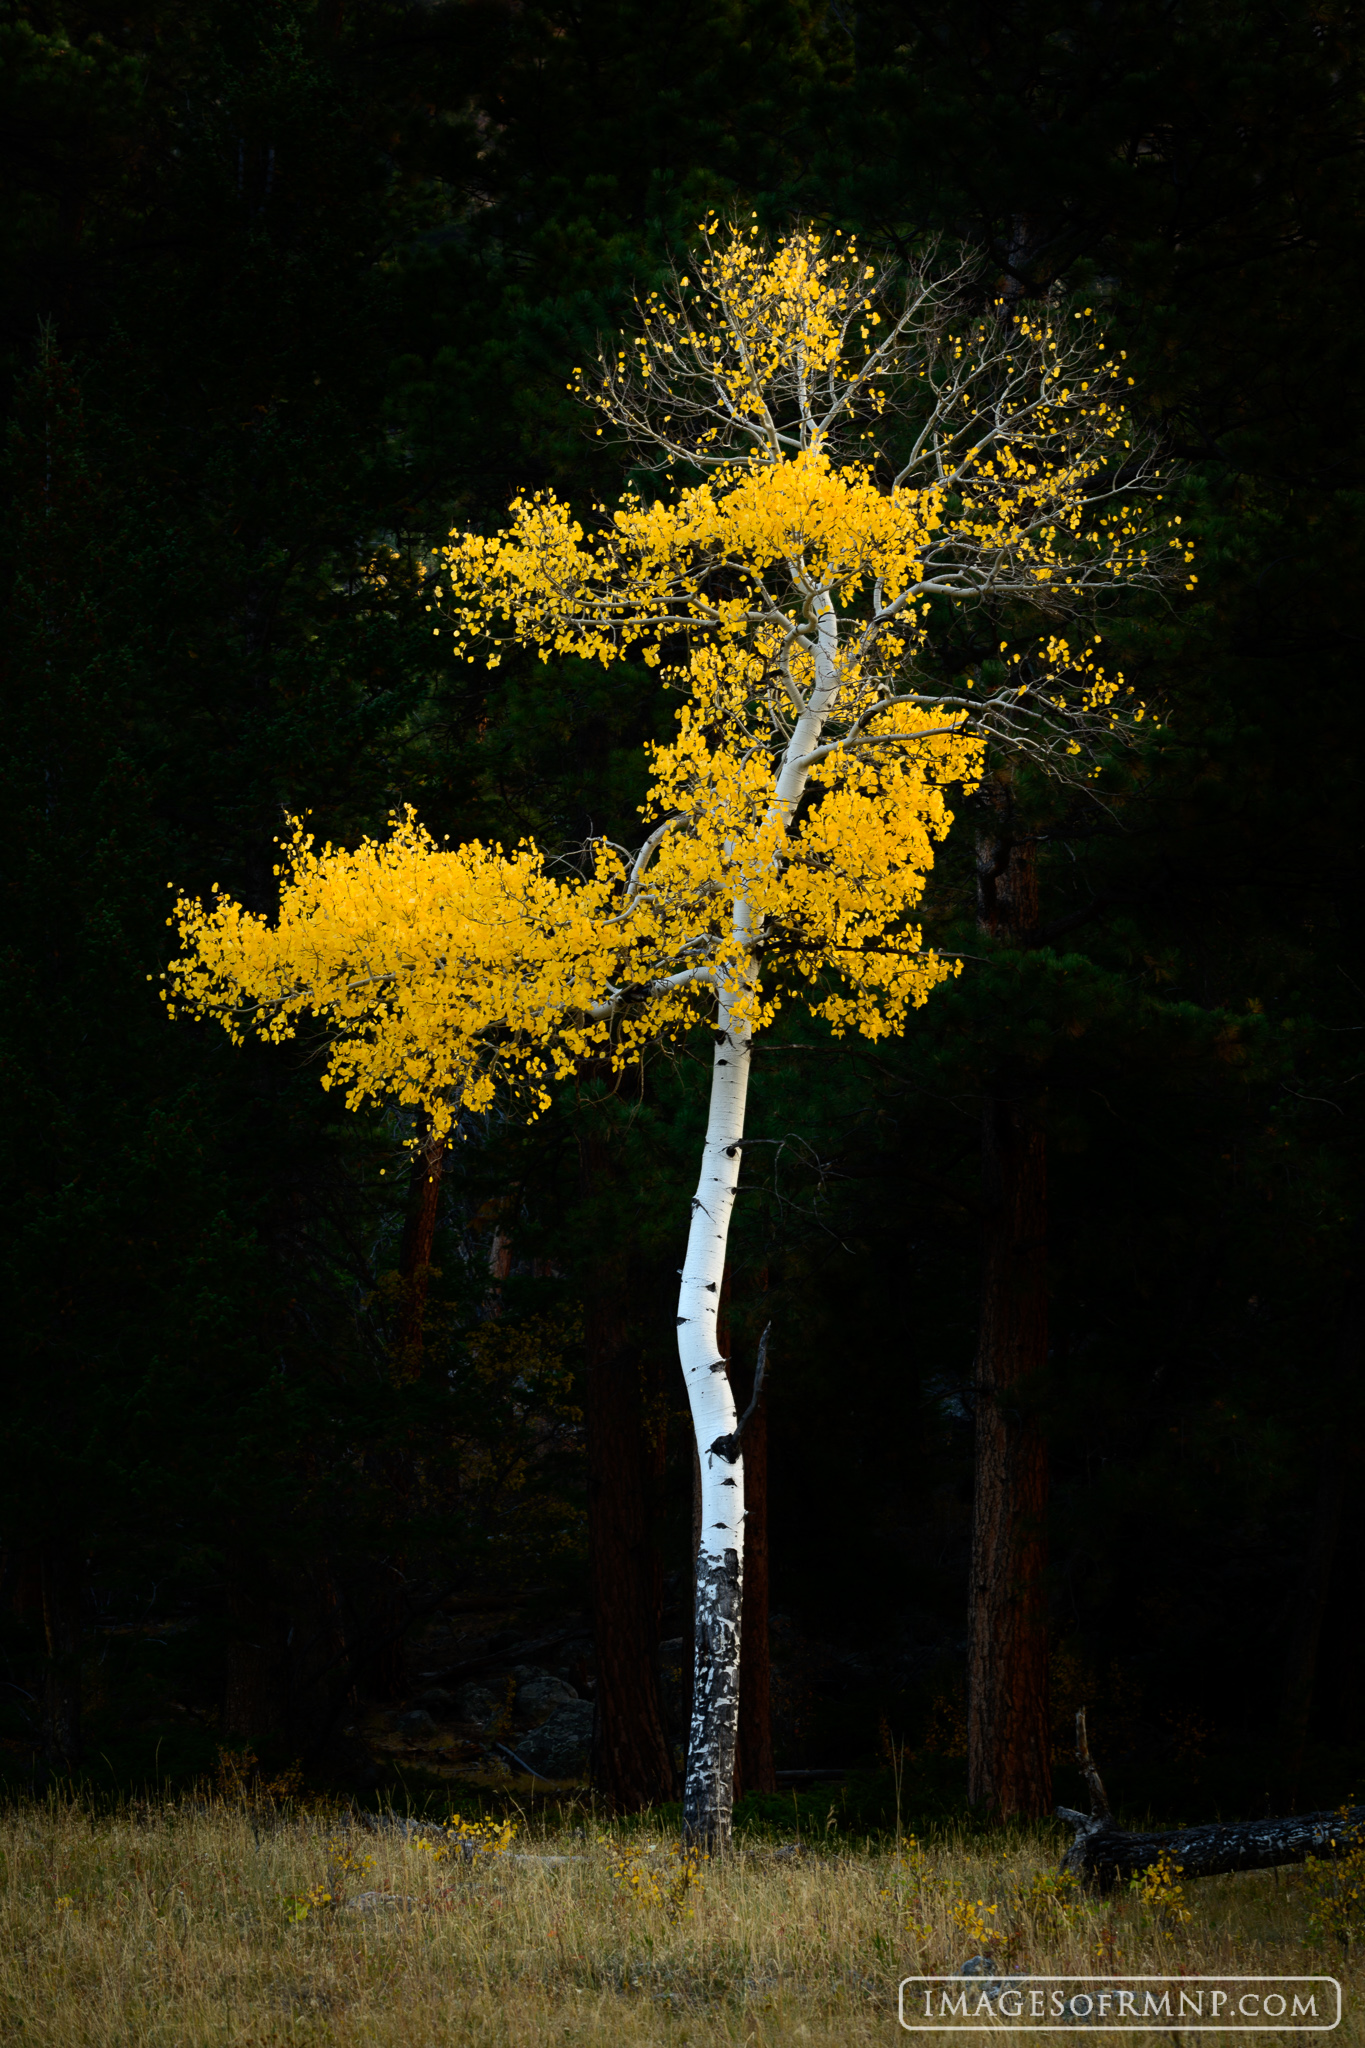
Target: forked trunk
{"type": "Point", "coordinates": [709, 1790]}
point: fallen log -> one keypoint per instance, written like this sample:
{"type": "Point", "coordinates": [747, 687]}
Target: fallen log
{"type": "Point", "coordinates": [1103, 1854]}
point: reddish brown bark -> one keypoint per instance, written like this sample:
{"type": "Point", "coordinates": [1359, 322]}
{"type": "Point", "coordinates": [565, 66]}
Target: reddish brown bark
{"type": "Point", "coordinates": [1336, 1458]}
{"type": "Point", "coordinates": [1310, 1613]}
{"type": "Point", "coordinates": [256, 1690]}
{"type": "Point", "coordinates": [385, 1670]}
{"type": "Point", "coordinates": [632, 1761]}
{"type": "Point", "coordinates": [754, 1771]}
{"type": "Point", "coordinates": [1009, 1768]}
{"type": "Point", "coordinates": [419, 1235]}
{"type": "Point", "coordinates": [61, 1579]}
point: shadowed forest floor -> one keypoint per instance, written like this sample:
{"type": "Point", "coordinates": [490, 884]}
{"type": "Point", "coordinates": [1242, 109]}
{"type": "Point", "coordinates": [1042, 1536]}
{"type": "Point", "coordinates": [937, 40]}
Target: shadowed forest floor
{"type": "Point", "coordinates": [214, 1922]}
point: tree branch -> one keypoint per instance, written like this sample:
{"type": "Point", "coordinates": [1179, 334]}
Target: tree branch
{"type": "Point", "coordinates": [728, 1447]}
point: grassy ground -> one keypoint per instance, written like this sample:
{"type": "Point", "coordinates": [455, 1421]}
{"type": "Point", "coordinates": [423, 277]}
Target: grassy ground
{"type": "Point", "coordinates": [239, 1921]}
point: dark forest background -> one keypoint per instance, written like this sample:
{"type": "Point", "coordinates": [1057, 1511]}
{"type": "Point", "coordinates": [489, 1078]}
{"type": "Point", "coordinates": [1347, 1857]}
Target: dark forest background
{"type": "Point", "coordinates": [283, 283]}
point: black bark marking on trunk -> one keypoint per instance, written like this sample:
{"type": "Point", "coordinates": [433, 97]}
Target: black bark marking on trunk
{"type": "Point", "coordinates": [708, 1800]}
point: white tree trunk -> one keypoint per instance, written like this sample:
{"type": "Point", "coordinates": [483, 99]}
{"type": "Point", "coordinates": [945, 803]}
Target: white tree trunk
{"type": "Point", "coordinates": [720, 1555]}
{"type": "Point", "coordinates": [709, 1793]}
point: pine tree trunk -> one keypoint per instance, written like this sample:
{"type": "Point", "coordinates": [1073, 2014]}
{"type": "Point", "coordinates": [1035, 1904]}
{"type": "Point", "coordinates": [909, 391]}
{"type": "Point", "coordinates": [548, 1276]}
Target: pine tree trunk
{"type": "Point", "coordinates": [256, 1690]}
{"type": "Point", "coordinates": [632, 1761]}
{"type": "Point", "coordinates": [1310, 1613]}
{"type": "Point", "coordinates": [386, 1669]}
{"type": "Point", "coordinates": [419, 1235]}
{"type": "Point", "coordinates": [1314, 1589]}
{"type": "Point", "coordinates": [1009, 1767]}
{"type": "Point", "coordinates": [61, 1581]}
{"type": "Point", "coordinates": [755, 1771]}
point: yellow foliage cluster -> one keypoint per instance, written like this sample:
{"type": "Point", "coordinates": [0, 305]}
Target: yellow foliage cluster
{"type": "Point", "coordinates": [437, 971]}
{"type": "Point", "coordinates": [831, 889]}
{"type": "Point", "coordinates": [441, 974]}
{"type": "Point", "coordinates": [298, 1905]}
{"type": "Point", "coordinates": [801, 544]}
{"type": "Point", "coordinates": [972, 1917]}
{"type": "Point", "coordinates": [649, 1886]}
{"type": "Point", "coordinates": [463, 1840]}
{"type": "Point", "coordinates": [1334, 1887]}
{"type": "Point", "coordinates": [1158, 1887]}
{"type": "Point", "coordinates": [701, 563]}
{"type": "Point", "coordinates": [735, 351]}
{"type": "Point", "coordinates": [788, 595]}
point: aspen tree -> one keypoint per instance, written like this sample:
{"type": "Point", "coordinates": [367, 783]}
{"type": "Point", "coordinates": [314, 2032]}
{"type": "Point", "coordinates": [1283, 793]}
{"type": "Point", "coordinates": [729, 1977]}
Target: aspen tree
{"type": "Point", "coordinates": [840, 445]}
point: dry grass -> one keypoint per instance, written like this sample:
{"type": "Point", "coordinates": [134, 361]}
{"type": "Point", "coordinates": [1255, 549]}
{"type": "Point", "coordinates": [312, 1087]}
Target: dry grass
{"type": "Point", "coordinates": [185, 1926]}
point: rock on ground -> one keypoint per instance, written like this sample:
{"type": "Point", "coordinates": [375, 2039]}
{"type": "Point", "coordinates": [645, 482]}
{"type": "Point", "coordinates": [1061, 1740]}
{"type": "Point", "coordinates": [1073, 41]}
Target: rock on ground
{"type": "Point", "coordinates": [560, 1746]}
{"type": "Point", "coordinates": [539, 1698]}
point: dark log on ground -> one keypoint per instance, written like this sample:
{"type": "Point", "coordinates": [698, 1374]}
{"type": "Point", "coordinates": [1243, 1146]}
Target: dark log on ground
{"type": "Point", "coordinates": [1104, 1854]}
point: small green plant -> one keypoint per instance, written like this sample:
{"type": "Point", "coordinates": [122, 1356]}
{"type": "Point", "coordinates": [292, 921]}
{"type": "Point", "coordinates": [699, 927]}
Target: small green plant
{"type": "Point", "coordinates": [1334, 1889]}
{"type": "Point", "coordinates": [467, 1839]}
{"type": "Point", "coordinates": [1107, 1951]}
{"type": "Point", "coordinates": [914, 1886]}
{"type": "Point", "coordinates": [1159, 1892]}
{"type": "Point", "coordinates": [971, 1917]}
{"type": "Point", "coordinates": [298, 1905]}
{"type": "Point", "coordinates": [238, 1781]}
{"type": "Point", "coordinates": [1050, 1898]}
{"type": "Point", "coordinates": [647, 1886]}
{"type": "Point", "coordinates": [344, 1863]}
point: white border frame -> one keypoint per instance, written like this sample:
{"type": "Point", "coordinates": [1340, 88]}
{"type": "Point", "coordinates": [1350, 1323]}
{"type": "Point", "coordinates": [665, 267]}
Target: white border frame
{"type": "Point", "coordinates": [1147, 2025]}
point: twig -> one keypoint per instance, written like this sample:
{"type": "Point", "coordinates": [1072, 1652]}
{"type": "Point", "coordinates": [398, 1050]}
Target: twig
{"type": "Point", "coordinates": [727, 1447]}
{"type": "Point", "coordinates": [1099, 1798]}
{"type": "Point", "coordinates": [760, 1368]}
{"type": "Point", "coordinates": [521, 1763]}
